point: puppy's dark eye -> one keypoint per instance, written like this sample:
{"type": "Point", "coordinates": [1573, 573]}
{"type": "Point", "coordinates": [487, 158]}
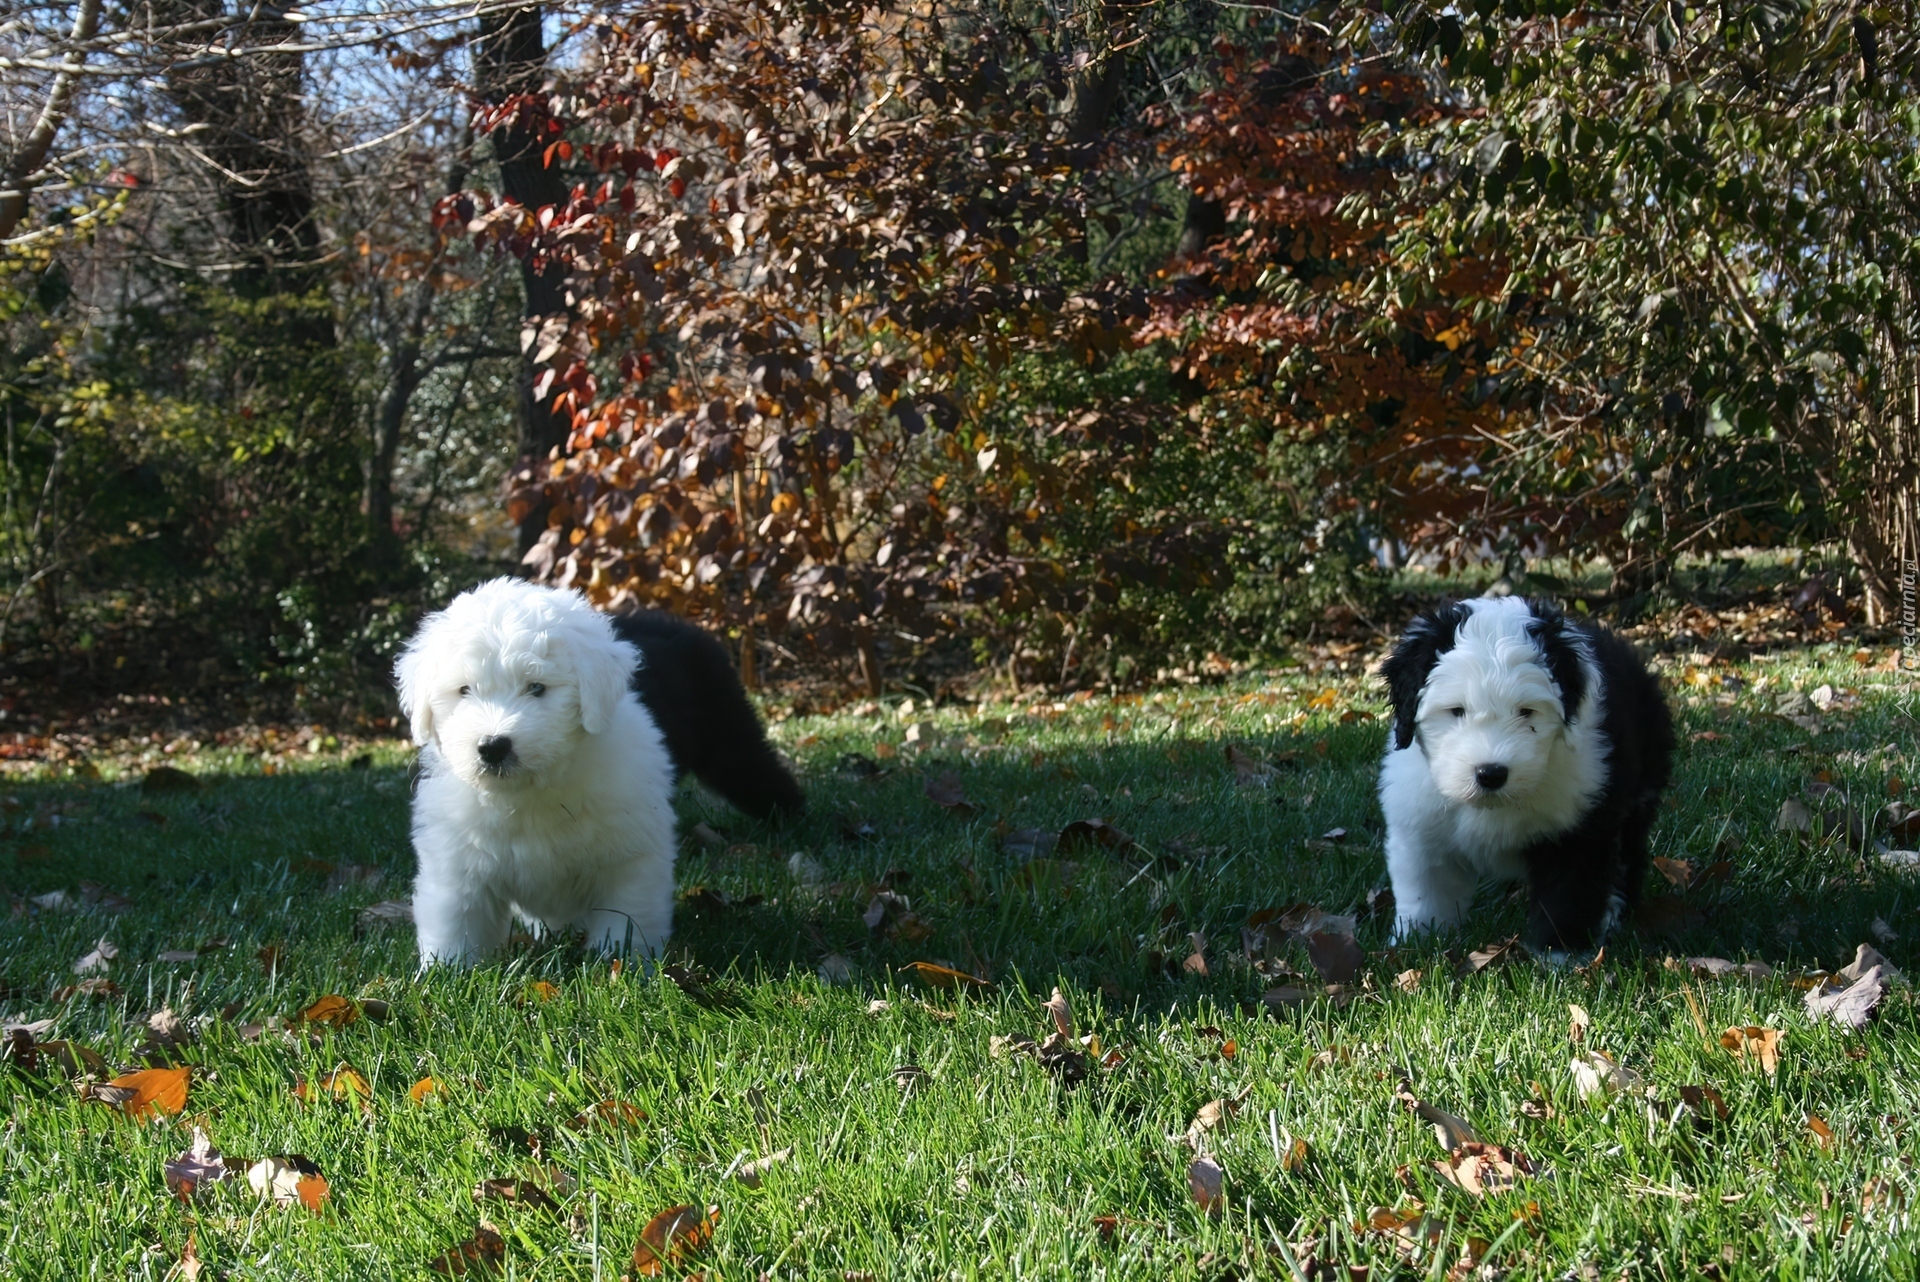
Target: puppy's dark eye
{"type": "Point", "coordinates": [1458, 712]}
{"type": "Point", "coordinates": [1525, 713]}
{"type": "Point", "coordinates": [464, 691]}
{"type": "Point", "coordinates": [536, 689]}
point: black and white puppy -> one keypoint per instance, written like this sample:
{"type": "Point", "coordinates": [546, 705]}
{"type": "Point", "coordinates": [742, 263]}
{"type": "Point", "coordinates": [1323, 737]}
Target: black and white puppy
{"type": "Point", "coordinates": [687, 682]}
{"type": "Point", "coordinates": [1526, 746]}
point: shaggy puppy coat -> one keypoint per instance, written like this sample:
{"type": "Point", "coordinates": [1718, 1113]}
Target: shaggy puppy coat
{"type": "Point", "coordinates": [1526, 746]}
{"type": "Point", "coordinates": [687, 682]}
{"type": "Point", "coordinates": [546, 788]}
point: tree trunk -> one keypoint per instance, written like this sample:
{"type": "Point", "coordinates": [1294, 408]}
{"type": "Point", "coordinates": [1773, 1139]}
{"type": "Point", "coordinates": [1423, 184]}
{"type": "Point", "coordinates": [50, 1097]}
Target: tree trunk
{"type": "Point", "coordinates": [510, 57]}
{"type": "Point", "coordinates": [17, 178]}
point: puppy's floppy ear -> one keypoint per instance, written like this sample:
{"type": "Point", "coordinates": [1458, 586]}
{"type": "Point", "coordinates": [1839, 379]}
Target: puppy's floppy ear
{"type": "Point", "coordinates": [1562, 649]}
{"type": "Point", "coordinates": [603, 666]}
{"type": "Point", "coordinates": [413, 675]}
{"type": "Point", "coordinates": [1428, 637]}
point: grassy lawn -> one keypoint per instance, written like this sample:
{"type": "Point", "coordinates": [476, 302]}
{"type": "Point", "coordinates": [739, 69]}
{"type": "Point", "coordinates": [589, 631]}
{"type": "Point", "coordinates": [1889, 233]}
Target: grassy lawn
{"type": "Point", "coordinates": [916, 1151]}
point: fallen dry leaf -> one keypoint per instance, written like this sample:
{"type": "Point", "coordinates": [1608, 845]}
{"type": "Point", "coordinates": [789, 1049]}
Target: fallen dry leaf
{"type": "Point", "coordinates": [671, 1236]}
{"type": "Point", "coordinates": [1598, 1073]}
{"type": "Point", "coordinates": [521, 1193]}
{"type": "Point", "coordinates": [1851, 1005]}
{"type": "Point", "coordinates": [607, 1115]}
{"type": "Point", "coordinates": [1492, 955]}
{"type": "Point", "coordinates": [1332, 950]}
{"type": "Point", "coordinates": [1061, 1013]}
{"type": "Point", "coordinates": [1578, 1022]}
{"type": "Point", "coordinates": [1196, 962]}
{"type": "Point", "coordinates": [1206, 1183]}
{"type": "Point", "coordinates": [199, 1166]}
{"type": "Point", "coordinates": [757, 1170]}
{"type": "Point", "coordinates": [541, 989]}
{"type": "Point", "coordinates": [937, 976]}
{"type": "Point", "coordinates": [1213, 1114]}
{"type": "Point", "coordinates": [1705, 1103]}
{"type": "Point", "coordinates": [835, 969]}
{"type": "Point", "coordinates": [1822, 1133]}
{"type": "Point", "coordinates": [288, 1180]}
{"type": "Point", "coordinates": [1097, 832]}
{"type": "Point", "coordinates": [333, 1010]}
{"type": "Point", "coordinates": [1721, 968]}
{"type": "Point", "coordinates": [151, 1092]}
{"type": "Point", "coordinates": [1452, 1132]}
{"type": "Point", "coordinates": [1480, 1169]}
{"type": "Point", "coordinates": [947, 792]}
{"type": "Point", "coordinates": [1761, 1045]}
{"type": "Point", "coordinates": [342, 1085]}
{"type": "Point", "coordinates": [95, 962]}
{"type": "Point", "coordinates": [388, 912]}
{"type": "Point", "coordinates": [1249, 771]}
{"type": "Point", "coordinates": [187, 1268]}
{"type": "Point", "coordinates": [1677, 871]}
{"type": "Point", "coordinates": [484, 1252]}
{"type": "Point", "coordinates": [1408, 981]}
{"type": "Point", "coordinates": [426, 1088]}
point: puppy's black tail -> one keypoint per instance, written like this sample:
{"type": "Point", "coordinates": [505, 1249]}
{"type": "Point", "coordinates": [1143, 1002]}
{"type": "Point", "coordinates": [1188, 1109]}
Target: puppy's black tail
{"type": "Point", "coordinates": [687, 681]}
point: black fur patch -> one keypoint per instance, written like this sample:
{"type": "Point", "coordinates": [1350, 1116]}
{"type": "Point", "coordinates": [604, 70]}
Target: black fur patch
{"type": "Point", "coordinates": [1428, 637]}
{"type": "Point", "coordinates": [1560, 645]}
{"type": "Point", "coordinates": [687, 681]}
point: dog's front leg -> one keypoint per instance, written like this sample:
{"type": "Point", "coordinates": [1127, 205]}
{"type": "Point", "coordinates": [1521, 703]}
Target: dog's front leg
{"type": "Point", "coordinates": [634, 913]}
{"type": "Point", "coordinates": [456, 923]}
{"type": "Point", "coordinates": [1431, 889]}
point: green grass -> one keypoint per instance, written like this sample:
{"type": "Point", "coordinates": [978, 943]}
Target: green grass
{"type": "Point", "coordinates": [986, 1167]}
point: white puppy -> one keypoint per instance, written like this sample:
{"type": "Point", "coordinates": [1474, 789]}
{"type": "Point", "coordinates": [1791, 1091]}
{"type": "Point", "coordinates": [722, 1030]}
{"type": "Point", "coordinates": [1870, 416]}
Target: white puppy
{"type": "Point", "coordinates": [545, 789]}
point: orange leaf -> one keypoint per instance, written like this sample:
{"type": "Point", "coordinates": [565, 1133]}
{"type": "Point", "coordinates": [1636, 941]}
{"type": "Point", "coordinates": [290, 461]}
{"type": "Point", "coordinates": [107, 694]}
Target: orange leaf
{"type": "Point", "coordinates": [671, 1237]}
{"type": "Point", "coordinates": [332, 1010]}
{"type": "Point", "coordinates": [342, 1084]}
{"type": "Point", "coordinates": [944, 977]}
{"type": "Point", "coordinates": [1822, 1133]}
{"type": "Point", "coordinates": [484, 1252]}
{"type": "Point", "coordinates": [423, 1089]}
{"type": "Point", "coordinates": [543, 990]}
{"type": "Point", "coordinates": [312, 1192]}
{"type": "Point", "coordinates": [155, 1090]}
{"type": "Point", "coordinates": [608, 1114]}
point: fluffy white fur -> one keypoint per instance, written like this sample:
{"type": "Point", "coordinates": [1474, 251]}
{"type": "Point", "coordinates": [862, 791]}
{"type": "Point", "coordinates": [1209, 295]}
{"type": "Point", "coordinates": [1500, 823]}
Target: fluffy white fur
{"type": "Point", "coordinates": [572, 826]}
{"type": "Point", "coordinates": [1488, 701]}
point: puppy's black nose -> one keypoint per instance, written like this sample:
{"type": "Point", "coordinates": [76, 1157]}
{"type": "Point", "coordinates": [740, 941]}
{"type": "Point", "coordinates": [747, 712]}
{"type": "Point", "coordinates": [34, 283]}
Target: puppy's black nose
{"type": "Point", "coordinates": [496, 748]}
{"type": "Point", "coordinates": [1488, 777]}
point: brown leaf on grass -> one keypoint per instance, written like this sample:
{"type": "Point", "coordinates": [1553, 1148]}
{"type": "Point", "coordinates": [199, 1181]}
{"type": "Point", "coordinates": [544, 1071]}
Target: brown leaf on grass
{"type": "Point", "coordinates": [707, 837]}
{"type": "Point", "coordinates": [937, 976]}
{"type": "Point", "coordinates": [1408, 981]}
{"type": "Point", "coordinates": [98, 988]}
{"type": "Point", "coordinates": [1408, 1227]}
{"type": "Point", "coordinates": [1851, 1005]}
{"type": "Point", "coordinates": [332, 1011]}
{"type": "Point", "coordinates": [1212, 1115]}
{"type": "Point", "coordinates": [1492, 955]}
{"type": "Point", "coordinates": [1822, 1133]}
{"type": "Point", "coordinates": [1750, 1042]}
{"type": "Point", "coordinates": [1578, 1022]}
{"type": "Point", "coordinates": [1721, 968]}
{"type": "Point", "coordinates": [1097, 832]}
{"type": "Point", "coordinates": [199, 1166]}
{"type": "Point", "coordinates": [484, 1252]}
{"type": "Point", "coordinates": [1452, 1132]}
{"type": "Point", "coordinates": [757, 1170]}
{"type": "Point", "coordinates": [946, 791]}
{"type": "Point", "coordinates": [671, 1236]}
{"type": "Point", "coordinates": [43, 1059]}
{"type": "Point", "coordinates": [149, 1093]}
{"type": "Point", "coordinates": [1479, 1169]}
{"type": "Point", "coordinates": [1030, 843]}
{"type": "Point", "coordinates": [426, 1088]}
{"type": "Point", "coordinates": [1206, 1183]}
{"type": "Point", "coordinates": [187, 1268]}
{"type": "Point", "coordinates": [1596, 1073]}
{"type": "Point", "coordinates": [1705, 1103]}
{"type": "Point", "coordinates": [163, 1034]}
{"type": "Point", "coordinates": [289, 1180]}
{"type": "Point", "coordinates": [521, 1193]}
{"type": "Point", "coordinates": [1332, 950]}
{"type": "Point", "coordinates": [1794, 816]}
{"type": "Point", "coordinates": [96, 961]}
{"type": "Point", "coordinates": [1061, 1013]}
{"type": "Point", "coordinates": [343, 1085]}
{"type": "Point", "coordinates": [162, 779]}
{"type": "Point", "coordinates": [270, 957]}
{"type": "Point", "coordinates": [1249, 771]}
{"type": "Point", "coordinates": [607, 1115]}
{"type": "Point", "coordinates": [1196, 962]}
{"type": "Point", "coordinates": [1677, 871]}
{"type": "Point", "coordinates": [541, 990]}
{"type": "Point", "coordinates": [1865, 958]}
